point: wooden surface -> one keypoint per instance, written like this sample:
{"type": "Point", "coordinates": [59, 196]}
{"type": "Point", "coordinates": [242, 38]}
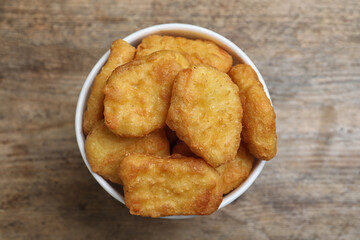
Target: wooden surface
{"type": "Point", "coordinates": [309, 55]}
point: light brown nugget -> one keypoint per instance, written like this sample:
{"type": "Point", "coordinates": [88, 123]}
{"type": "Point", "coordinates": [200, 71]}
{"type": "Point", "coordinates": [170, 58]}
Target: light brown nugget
{"type": "Point", "coordinates": [158, 187]}
{"type": "Point", "coordinates": [236, 171]}
{"type": "Point", "coordinates": [105, 150]}
{"type": "Point", "coordinates": [137, 94]}
{"type": "Point", "coordinates": [259, 130]}
{"type": "Point", "coordinates": [205, 112]}
{"type": "Point", "coordinates": [120, 52]}
{"type": "Point", "coordinates": [199, 51]}
{"type": "Point", "coordinates": [232, 173]}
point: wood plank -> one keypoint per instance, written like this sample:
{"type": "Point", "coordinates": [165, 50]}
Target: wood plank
{"type": "Point", "coordinates": [308, 53]}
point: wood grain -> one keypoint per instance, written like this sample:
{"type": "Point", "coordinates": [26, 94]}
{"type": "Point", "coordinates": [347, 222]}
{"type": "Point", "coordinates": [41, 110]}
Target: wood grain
{"type": "Point", "coordinates": [308, 53]}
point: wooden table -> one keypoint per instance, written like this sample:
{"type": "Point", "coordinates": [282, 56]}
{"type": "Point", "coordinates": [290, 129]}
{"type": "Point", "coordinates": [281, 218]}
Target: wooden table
{"type": "Point", "coordinates": [307, 51]}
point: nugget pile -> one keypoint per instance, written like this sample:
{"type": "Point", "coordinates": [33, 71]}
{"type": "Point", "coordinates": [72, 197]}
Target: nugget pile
{"type": "Point", "coordinates": [176, 124]}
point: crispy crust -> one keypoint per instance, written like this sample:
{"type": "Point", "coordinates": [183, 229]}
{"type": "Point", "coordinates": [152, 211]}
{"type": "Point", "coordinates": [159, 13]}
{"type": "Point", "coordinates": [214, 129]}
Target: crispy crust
{"type": "Point", "coordinates": [197, 51]}
{"type": "Point", "coordinates": [137, 94]}
{"type": "Point", "coordinates": [178, 185]}
{"type": "Point", "coordinates": [232, 173]}
{"type": "Point", "coordinates": [206, 112]}
{"type": "Point", "coordinates": [259, 126]}
{"type": "Point", "coordinates": [105, 150]}
{"type": "Point", "coordinates": [120, 52]}
{"type": "Point", "coordinates": [237, 171]}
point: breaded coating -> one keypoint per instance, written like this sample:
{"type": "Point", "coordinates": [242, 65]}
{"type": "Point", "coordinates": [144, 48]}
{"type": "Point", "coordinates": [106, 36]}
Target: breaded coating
{"type": "Point", "coordinates": [236, 171]}
{"type": "Point", "coordinates": [137, 94]}
{"type": "Point", "coordinates": [232, 173]}
{"type": "Point", "coordinates": [178, 185]}
{"type": "Point", "coordinates": [259, 130]}
{"type": "Point", "coordinates": [183, 149]}
{"type": "Point", "coordinates": [120, 53]}
{"type": "Point", "coordinates": [205, 112]}
{"type": "Point", "coordinates": [199, 51]}
{"type": "Point", "coordinates": [105, 150]}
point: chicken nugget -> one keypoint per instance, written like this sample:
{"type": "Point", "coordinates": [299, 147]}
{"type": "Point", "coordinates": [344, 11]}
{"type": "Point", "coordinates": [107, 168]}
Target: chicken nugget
{"type": "Point", "coordinates": [105, 150]}
{"type": "Point", "coordinates": [232, 173]}
{"type": "Point", "coordinates": [120, 52]}
{"type": "Point", "coordinates": [156, 187]}
{"type": "Point", "coordinates": [137, 94]}
{"type": "Point", "coordinates": [198, 51]}
{"type": "Point", "coordinates": [259, 130]}
{"type": "Point", "coordinates": [237, 171]}
{"type": "Point", "coordinates": [205, 112]}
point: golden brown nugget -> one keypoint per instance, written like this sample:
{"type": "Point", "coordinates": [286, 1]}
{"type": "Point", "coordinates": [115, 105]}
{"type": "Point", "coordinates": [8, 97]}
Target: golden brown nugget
{"type": "Point", "coordinates": [178, 185]}
{"type": "Point", "coordinates": [137, 94]}
{"type": "Point", "coordinates": [105, 150]}
{"type": "Point", "coordinates": [237, 171]}
{"type": "Point", "coordinates": [259, 130]}
{"type": "Point", "coordinates": [120, 52]}
{"type": "Point", "coordinates": [199, 51]}
{"type": "Point", "coordinates": [233, 173]}
{"type": "Point", "coordinates": [205, 112]}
